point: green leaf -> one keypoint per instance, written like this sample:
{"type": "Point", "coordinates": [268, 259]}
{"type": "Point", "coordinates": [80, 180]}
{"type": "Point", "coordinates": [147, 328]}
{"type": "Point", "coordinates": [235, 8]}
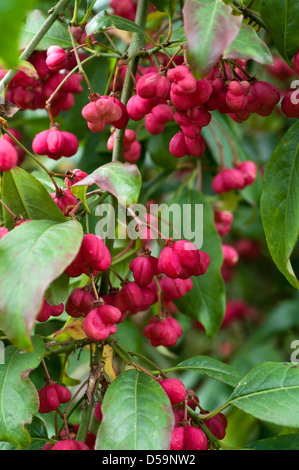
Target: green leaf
{"type": "Point", "coordinates": [210, 29]}
{"type": "Point", "coordinates": [249, 46]}
{"type": "Point", "coordinates": [103, 20]}
{"type": "Point", "coordinates": [25, 195]}
{"type": "Point", "coordinates": [284, 442]}
{"type": "Point", "coordinates": [282, 18]}
{"type": "Point", "coordinates": [270, 392]}
{"type": "Point", "coordinates": [212, 368]}
{"type": "Point", "coordinates": [58, 291]}
{"type": "Point", "coordinates": [10, 27]}
{"type": "Point", "coordinates": [80, 192]}
{"type": "Point", "coordinates": [123, 180]}
{"type": "Point", "coordinates": [283, 318]}
{"type": "Point", "coordinates": [206, 301]}
{"type": "Point", "coordinates": [38, 432]}
{"type": "Point", "coordinates": [56, 36]}
{"type": "Point", "coordinates": [137, 415]}
{"type": "Point", "coordinates": [168, 6]}
{"type": "Point", "coordinates": [18, 397]}
{"type": "Point", "coordinates": [32, 256]}
{"type": "Point", "coordinates": [280, 202]}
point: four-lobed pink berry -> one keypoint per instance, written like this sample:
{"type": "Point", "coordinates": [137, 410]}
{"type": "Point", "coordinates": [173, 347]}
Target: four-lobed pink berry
{"type": "Point", "coordinates": [189, 438]}
{"type": "Point", "coordinates": [93, 256]}
{"type": "Point", "coordinates": [163, 332]}
{"type": "Point", "coordinates": [57, 58]}
{"type": "Point", "coordinates": [101, 322]}
{"type": "Point", "coordinates": [55, 143]}
{"type": "Point", "coordinates": [144, 268]}
{"type": "Point", "coordinates": [79, 303]}
{"type": "Point", "coordinates": [51, 396]}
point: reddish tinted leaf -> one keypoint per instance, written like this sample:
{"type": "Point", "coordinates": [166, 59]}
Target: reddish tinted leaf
{"type": "Point", "coordinates": [210, 28]}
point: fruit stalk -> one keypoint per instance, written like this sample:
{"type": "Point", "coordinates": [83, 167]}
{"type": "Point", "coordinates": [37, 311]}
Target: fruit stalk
{"type": "Point", "coordinates": [136, 44]}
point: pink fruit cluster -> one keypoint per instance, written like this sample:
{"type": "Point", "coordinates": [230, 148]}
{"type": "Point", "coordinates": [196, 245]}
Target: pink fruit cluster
{"type": "Point", "coordinates": [185, 435]}
{"type": "Point", "coordinates": [29, 92]}
{"type": "Point", "coordinates": [132, 148]}
{"type": "Point", "coordinates": [229, 179]}
{"type": "Point", "coordinates": [105, 110]}
{"type": "Point", "coordinates": [240, 97]}
{"type": "Point", "coordinates": [162, 96]}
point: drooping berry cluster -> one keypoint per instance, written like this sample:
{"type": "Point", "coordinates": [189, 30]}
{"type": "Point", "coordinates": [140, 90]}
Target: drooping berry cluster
{"type": "Point", "coordinates": [105, 110]}
{"type": "Point", "coordinates": [186, 435]}
{"type": "Point", "coordinates": [244, 174]}
{"type": "Point", "coordinates": [31, 92]}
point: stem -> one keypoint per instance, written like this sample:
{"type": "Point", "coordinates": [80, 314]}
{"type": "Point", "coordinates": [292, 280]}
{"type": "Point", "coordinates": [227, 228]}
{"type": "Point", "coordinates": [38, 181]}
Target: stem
{"type": "Point", "coordinates": [75, 14]}
{"type": "Point", "coordinates": [220, 146]}
{"type": "Point", "coordinates": [46, 370]}
{"type": "Point", "coordinates": [169, 31]}
{"type": "Point", "coordinates": [247, 13]}
{"type": "Point", "coordinates": [124, 251]}
{"type": "Point", "coordinates": [136, 44]}
{"type": "Point", "coordinates": [215, 412]}
{"type": "Point", "coordinates": [8, 210]}
{"type": "Point", "coordinates": [81, 69]}
{"type": "Point", "coordinates": [173, 57]}
{"type": "Point", "coordinates": [75, 69]}
{"type": "Point", "coordinates": [84, 424]}
{"type": "Point", "coordinates": [231, 142]}
{"type": "Point", "coordinates": [150, 362]}
{"type": "Point", "coordinates": [56, 11]}
{"type": "Point", "coordinates": [87, 13]}
{"type": "Point", "coordinates": [91, 388]}
{"type": "Point", "coordinates": [116, 274]}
